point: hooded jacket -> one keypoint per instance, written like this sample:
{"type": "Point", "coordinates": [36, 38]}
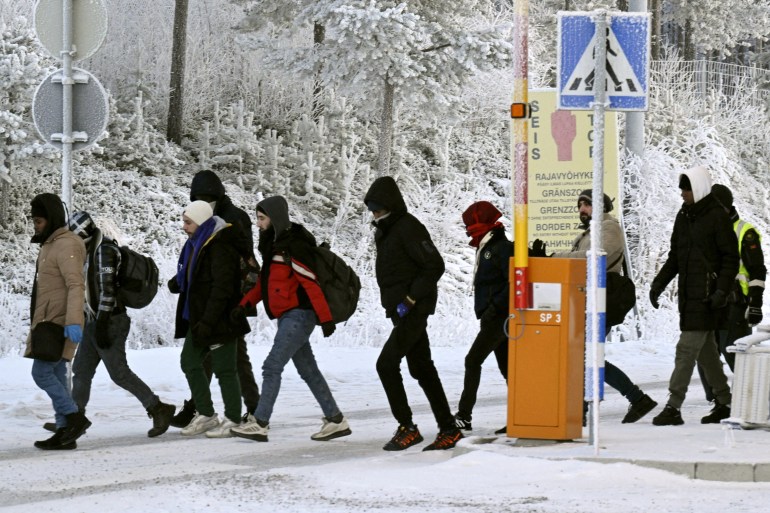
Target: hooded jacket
{"type": "Point", "coordinates": [58, 293]}
{"type": "Point", "coordinates": [207, 183]}
{"type": "Point", "coordinates": [703, 254]}
{"type": "Point", "coordinates": [287, 279]}
{"type": "Point", "coordinates": [214, 290]}
{"type": "Point", "coordinates": [408, 264]}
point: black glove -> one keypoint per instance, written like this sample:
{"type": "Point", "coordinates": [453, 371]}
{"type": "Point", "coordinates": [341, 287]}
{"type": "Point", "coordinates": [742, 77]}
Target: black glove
{"type": "Point", "coordinates": [103, 330]}
{"type": "Point", "coordinates": [716, 300]}
{"type": "Point", "coordinates": [201, 330]}
{"type": "Point", "coordinates": [173, 286]}
{"type": "Point", "coordinates": [754, 311]}
{"type": "Point", "coordinates": [489, 314]}
{"type": "Point", "coordinates": [328, 328]}
{"type": "Point", "coordinates": [238, 315]}
{"type": "Point", "coordinates": [655, 293]}
{"type": "Point", "coordinates": [538, 248]}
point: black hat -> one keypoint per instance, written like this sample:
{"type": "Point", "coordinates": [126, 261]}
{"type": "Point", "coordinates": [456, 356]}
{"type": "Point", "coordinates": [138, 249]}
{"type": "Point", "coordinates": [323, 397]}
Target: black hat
{"type": "Point", "coordinates": [587, 196]}
{"type": "Point", "coordinates": [684, 182]}
{"type": "Point", "coordinates": [723, 195]}
{"type": "Point", "coordinates": [373, 206]}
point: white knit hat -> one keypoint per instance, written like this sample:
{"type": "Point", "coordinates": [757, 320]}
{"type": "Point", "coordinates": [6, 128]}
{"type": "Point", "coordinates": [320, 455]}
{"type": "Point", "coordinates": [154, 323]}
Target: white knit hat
{"type": "Point", "coordinates": [199, 212]}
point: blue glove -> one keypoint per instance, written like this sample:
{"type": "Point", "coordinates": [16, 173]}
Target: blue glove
{"type": "Point", "coordinates": [404, 306]}
{"type": "Point", "coordinates": [74, 332]}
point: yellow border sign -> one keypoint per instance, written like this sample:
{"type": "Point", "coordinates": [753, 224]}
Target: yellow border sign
{"type": "Point", "coordinates": [561, 166]}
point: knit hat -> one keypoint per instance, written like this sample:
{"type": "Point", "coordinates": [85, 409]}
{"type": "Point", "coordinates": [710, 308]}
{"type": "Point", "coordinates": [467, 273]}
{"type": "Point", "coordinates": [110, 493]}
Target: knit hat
{"type": "Point", "coordinates": [723, 195]}
{"type": "Point", "coordinates": [38, 209]}
{"type": "Point", "coordinates": [587, 196]}
{"type": "Point", "coordinates": [199, 212]}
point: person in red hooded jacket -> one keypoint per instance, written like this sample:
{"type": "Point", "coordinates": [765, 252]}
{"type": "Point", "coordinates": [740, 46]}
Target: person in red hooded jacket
{"type": "Point", "coordinates": [490, 287]}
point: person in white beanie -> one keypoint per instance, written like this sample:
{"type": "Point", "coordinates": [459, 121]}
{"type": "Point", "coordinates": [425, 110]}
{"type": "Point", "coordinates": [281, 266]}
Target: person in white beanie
{"type": "Point", "coordinates": [208, 282]}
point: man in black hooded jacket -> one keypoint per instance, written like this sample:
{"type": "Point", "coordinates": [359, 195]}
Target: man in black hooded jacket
{"type": "Point", "coordinates": [206, 186]}
{"type": "Point", "coordinates": [408, 268]}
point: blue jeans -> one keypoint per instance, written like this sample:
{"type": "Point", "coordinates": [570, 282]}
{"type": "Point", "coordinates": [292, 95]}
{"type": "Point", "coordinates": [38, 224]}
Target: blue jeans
{"type": "Point", "coordinates": [292, 342]}
{"type": "Point", "coordinates": [51, 377]}
{"type": "Point", "coordinates": [114, 357]}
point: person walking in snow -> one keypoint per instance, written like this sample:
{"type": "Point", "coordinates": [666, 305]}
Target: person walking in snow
{"type": "Point", "coordinates": [744, 304]}
{"type": "Point", "coordinates": [208, 282]}
{"type": "Point", "coordinates": [107, 326]}
{"type": "Point", "coordinates": [490, 287]}
{"type": "Point", "coordinates": [206, 186]}
{"type": "Point", "coordinates": [289, 290]}
{"type": "Point", "coordinates": [704, 256]}
{"type": "Point", "coordinates": [58, 294]}
{"type": "Point", "coordinates": [408, 269]}
{"type": "Point", "coordinates": [613, 243]}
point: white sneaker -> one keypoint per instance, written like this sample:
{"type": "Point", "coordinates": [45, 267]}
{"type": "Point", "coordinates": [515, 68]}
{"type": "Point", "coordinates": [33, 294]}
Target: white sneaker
{"type": "Point", "coordinates": [200, 424]}
{"type": "Point", "coordinates": [331, 430]}
{"type": "Point", "coordinates": [222, 430]}
{"type": "Point", "coordinates": [252, 431]}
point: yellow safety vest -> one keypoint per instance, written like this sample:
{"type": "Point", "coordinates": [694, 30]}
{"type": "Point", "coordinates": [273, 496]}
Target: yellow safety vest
{"type": "Point", "coordinates": [741, 227]}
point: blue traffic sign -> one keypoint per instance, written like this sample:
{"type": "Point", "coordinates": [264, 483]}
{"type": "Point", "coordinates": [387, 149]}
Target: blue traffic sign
{"type": "Point", "coordinates": [627, 65]}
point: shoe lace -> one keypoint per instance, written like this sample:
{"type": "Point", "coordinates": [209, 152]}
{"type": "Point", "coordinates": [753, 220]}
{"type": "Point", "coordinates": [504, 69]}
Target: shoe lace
{"type": "Point", "coordinates": [404, 436]}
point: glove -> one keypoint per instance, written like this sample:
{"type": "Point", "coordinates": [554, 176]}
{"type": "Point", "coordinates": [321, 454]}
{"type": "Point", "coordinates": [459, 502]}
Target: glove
{"type": "Point", "coordinates": [489, 314]}
{"type": "Point", "coordinates": [716, 300]}
{"type": "Point", "coordinates": [201, 330]}
{"type": "Point", "coordinates": [404, 306]}
{"type": "Point", "coordinates": [655, 293]}
{"type": "Point", "coordinates": [173, 286]}
{"type": "Point", "coordinates": [754, 311]}
{"type": "Point", "coordinates": [328, 328]}
{"type": "Point", "coordinates": [103, 330]}
{"type": "Point", "coordinates": [238, 314]}
{"type": "Point", "coordinates": [74, 332]}
{"type": "Point", "coordinates": [538, 248]}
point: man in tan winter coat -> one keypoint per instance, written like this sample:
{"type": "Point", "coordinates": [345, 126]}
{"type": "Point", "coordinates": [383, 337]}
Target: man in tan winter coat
{"type": "Point", "coordinates": [58, 294]}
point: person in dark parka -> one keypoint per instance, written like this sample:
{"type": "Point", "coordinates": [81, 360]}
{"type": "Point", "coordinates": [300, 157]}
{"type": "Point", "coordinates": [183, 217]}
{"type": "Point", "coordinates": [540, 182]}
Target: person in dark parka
{"type": "Point", "coordinates": [704, 257]}
{"type": "Point", "coordinates": [206, 186]}
{"type": "Point", "coordinates": [490, 287]}
{"type": "Point", "coordinates": [408, 268]}
{"type": "Point", "coordinates": [209, 286]}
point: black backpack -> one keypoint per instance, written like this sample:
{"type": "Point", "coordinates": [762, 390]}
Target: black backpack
{"type": "Point", "coordinates": [137, 278]}
{"type": "Point", "coordinates": [339, 282]}
{"type": "Point", "coordinates": [621, 298]}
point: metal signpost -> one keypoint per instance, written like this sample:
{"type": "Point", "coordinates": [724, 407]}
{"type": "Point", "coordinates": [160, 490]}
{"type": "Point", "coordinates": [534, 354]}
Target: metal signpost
{"type": "Point", "coordinates": [603, 64]}
{"type": "Point", "coordinates": [70, 106]}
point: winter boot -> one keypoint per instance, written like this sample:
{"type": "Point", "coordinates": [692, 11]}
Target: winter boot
{"type": "Point", "coordinates": [77, 423]}
{"type": "Point", "coordinates": [670, 416]}
{"type": "Point", "coordinates": [54, 443]}
{"type": "Point", "coordinates": [405, 437]}
{"type": "Point", "coordinates": [639, 408]}
{"type": "Point", "coordinates": [445, 440]}
{"type": "Point", "coordinates": [185, 415]}
{"type": "Point", "coordinates": [718, 413]}
{"type": "Point", "coordinates": [161, 415]}
{"type": "Point", "coordinates": [50, 426]}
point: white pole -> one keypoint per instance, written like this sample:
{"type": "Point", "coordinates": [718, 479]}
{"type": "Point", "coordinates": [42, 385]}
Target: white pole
{"type": "Point", "coordinates": [635, 120]}
{"type": "Point", "coordinates": [67, 83]}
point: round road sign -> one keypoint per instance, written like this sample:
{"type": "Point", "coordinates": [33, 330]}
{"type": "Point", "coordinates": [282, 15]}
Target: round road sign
{"type": "Point", "coordinates": [89, 109]}
{"type": "Point", "coordinates": [89, 20]}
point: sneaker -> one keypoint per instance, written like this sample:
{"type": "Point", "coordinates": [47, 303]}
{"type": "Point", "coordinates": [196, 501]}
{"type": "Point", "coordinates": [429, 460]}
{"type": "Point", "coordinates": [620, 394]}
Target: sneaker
{"type": "Point", "coordinates": [54, 443]}
{"type": "Point", "coordinates": [404, 438]}
{"type": "Point", "coordinates": [462, 422]}
{"type": "Point", "coordinates": [670, 416]}
{"type": "Point", "coordinates": [639, 408]}
{"type": "Point", "coordinates": [330, 430]}
{"type": "Point", "coordinates": [161, 415]}
{"type": "Point", "coordinates": [248, 418]}
{"type": "Point", "coordinates": [502, 431]}
{"type": "Point", "coordinates": [252, 431]}
{"type": "Point", "coordinates": [50, 426]}
{"type": "Point", "coordinates": [445, 440]}
{"type": "Point", "coordinates": [77, 423]}
{"type": "Point", "coordinates": [200, 424]}
{"type": "Point", "coordinates": [223, 430]}
{"type": "Point", "coordinates": [185, 415]}
{"type": "Point", "coordinates": [718, 413]}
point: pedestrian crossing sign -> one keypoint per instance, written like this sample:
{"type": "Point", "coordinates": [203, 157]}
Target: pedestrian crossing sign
{"type": "Point", "coordinates": [627, 65]}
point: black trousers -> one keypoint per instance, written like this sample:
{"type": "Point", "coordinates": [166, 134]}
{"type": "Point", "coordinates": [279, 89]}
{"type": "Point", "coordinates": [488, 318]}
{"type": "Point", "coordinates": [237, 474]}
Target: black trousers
{"type": "Point", "coordinates": [409, 339]}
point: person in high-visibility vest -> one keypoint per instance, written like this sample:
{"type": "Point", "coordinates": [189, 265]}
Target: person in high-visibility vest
{"type": "Point", "coordinates": [745, 301]}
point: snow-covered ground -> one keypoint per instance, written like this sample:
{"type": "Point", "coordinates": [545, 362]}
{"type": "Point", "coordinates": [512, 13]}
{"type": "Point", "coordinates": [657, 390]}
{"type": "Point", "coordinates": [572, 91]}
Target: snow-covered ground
{"type": "Point", "coordinates": [117, 468]}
